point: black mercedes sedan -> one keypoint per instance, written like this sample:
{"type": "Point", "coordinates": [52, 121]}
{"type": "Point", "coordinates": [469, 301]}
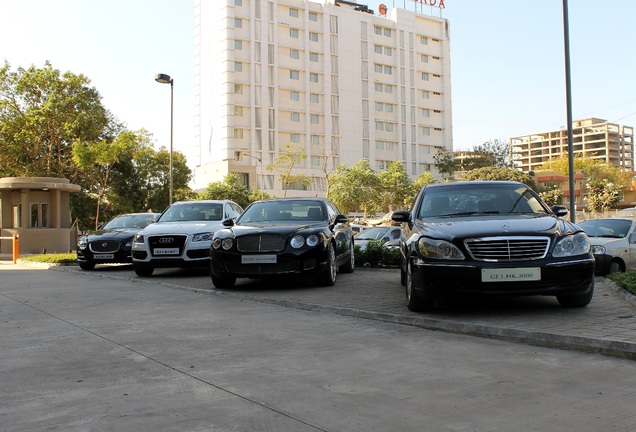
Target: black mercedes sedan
{"type": "Point", "coordinates": [479, 238]}
{"type": "Point", "coordinates": [283, 236]}
{"type": "Point", "coordinates": [112, 242]}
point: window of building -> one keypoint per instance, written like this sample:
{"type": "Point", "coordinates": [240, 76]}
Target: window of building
{"type": "Point", "coordinates": [377, 49]}
{"type": "Point", "coordinates": [295, 138]}
{"type": "Point", "coordinates": [389, 127]}
{"type": "Point", "coordinates": [39, 215]}
{"type": "Point", "coordinates": [379, 145]}
{"type": "Point", "coordinates": [426, 112]}
{"type": "Point", "coordinates": [423, 58]}
{"type": "Point", "coordinates": [313, 16]}
{"type": "Point", "coordinates": [238, 2]}
{"type": "Point", "coordinates": [238, 89]}
{"type": "Point", "coordinates": [315, 161]}
{"type": "Point", "coordinates": [313, 36]}
{"type": "Point", "coordinates": [388, 107]}
{"type": "Point", "coordinates": [426, 131]}
{"type": "Point", "coordinates": [314, 98]}
{"type": "Point", "coordinates": [423, 40]}
{"type": "Point", "coordinates": [294, 53]}
{"type": "Point", "coordinates": [388, 88]}
{"type": "Point", "coordinates": [17, 216]}
{"type": "Point", "coordinates": [388, 70]}
{"type": "Point", "coordinates": [382, 165]}
{"type": "Point", "coordinates": [295, 117]}
{"type": "Point", "coordinates": [238, 45]}
{"type": "Point", "coordinates": [238, 23]}
{"type": "Point", "coordinates": [238, 111]}
{"type": "Point", "coordinates": [294, 95]}
{"type": "Point", "coordinates": [293, 33]}
{"type": "Point", "coordinates": [313, 57]}
{"type": "Point", "coordinates": [313, 77]}
{"type": "Point", "coordinates": [315, 140]}
{"type": "Point", "coordinates": [387, 32]}
{"type": "Point", "coordinates": [379, 126]}
{"type": "Point", "coordinates": [426, 94]}
{"type": "Point", "coordinates": [377, 30]}
{"type": "Point", "coordinates": [425, 76]}
{"type": "Point", "coordinates": [238, 133]}
{"type": "Point", "coordinates": [238, 67]}
{"type": "Point", "coordinates": [379, 106]}
{"type": "Point", "coordinates": [294, 74]}
{"type": "Point", "coordinates": [293, 12]}
{"type": "Point", "coordinates": [378, 68]}
{"type": "Point", "coordinates": [388, 51]}
{"type": "Point", "coordinates": [315, 119]}
{"type": "Point", "coordinates": [379, 87]}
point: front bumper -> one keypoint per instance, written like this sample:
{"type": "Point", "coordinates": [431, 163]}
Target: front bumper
{"type": "Point", "coordinates": [230, 264]}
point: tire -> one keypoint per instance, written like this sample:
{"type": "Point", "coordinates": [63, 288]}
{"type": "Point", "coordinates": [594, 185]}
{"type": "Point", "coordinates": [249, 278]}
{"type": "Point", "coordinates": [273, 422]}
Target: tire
{"type": "Point", "coordinates": [615, 267]}
{"type": "Point", "coordinates": [328, 275]}
{"type": "Point", "coordinates": [414, 301]}
{"type": "Point", "coordinates": [86, 265]}
{"type": "Point", "coordinates": [223, 281]}
{"type": "Point", "coordinates": [143, 271]}
{"type": "Point", "coordinates": [577, 301]}
{"type": "Point", "coordinates": [350, 265]}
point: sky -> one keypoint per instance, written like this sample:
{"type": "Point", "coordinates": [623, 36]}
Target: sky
{"type": "Point", "coordinates": [507, 60]}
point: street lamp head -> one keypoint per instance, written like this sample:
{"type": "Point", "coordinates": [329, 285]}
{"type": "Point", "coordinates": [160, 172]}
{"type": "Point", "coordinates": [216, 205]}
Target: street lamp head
{"type": "Point", "coordinates": [163, 79]}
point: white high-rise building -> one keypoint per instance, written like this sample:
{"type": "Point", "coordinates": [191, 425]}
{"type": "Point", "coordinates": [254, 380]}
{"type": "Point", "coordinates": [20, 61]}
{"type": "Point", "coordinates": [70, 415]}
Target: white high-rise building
{"type": "Point", "coordinates": [329, 78]}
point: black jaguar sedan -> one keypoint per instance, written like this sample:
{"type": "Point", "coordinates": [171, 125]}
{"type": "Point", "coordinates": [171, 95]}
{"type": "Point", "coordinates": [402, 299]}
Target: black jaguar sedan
{"type": "Point", "coordinates": [479, 238]}
{"type": "Point", "coordinates": [282, 237]}
{"type": "Point", "coordinates": [112, 242]}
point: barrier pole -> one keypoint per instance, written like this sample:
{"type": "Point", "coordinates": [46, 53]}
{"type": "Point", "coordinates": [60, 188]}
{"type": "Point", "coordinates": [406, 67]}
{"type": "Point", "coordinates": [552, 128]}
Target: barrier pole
{"type": "Point", "coordinates": [16, 247]}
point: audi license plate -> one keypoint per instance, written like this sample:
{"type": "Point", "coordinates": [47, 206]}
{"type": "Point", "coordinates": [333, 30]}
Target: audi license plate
{"type": "Point", "coordinates": [258, 259]}
{"type": "Point", "coordinates": [166, 251]}
{"type": "Point", "coordinates": [103, 256]}
{"type": "Point", "coordinates": [511, 274]}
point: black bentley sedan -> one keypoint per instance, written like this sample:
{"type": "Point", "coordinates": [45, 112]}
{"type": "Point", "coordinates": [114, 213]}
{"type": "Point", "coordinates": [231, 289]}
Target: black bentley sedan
{"type": "Point", "coordinates": [491, 238]}
{"type": "Point", "coordinates": [112, 242]}
{"type": "Point", "coordinates": [283, 236]}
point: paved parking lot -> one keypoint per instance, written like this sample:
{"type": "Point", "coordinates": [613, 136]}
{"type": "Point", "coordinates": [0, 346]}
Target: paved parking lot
{"type": "Point", "coordinates": [607, 326]}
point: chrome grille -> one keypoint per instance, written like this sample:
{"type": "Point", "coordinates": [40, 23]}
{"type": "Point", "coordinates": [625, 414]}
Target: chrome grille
{"type": "Point", "coordinates": [497, 249]}
{"type": "Point", "coordinates": [108, 246]}
{"type": "Point", "coordinates": [260, 243]}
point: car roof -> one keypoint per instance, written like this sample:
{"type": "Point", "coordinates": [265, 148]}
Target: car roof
{"type": "Point", "coordinates": [475, 183]}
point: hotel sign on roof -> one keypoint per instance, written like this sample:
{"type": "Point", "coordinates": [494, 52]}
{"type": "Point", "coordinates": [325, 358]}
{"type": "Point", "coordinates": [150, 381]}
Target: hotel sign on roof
{"type": "Point", "coordinates": [434, 3]}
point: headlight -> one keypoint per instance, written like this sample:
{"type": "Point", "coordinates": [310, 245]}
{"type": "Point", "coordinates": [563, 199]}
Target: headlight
{"type": "Point", "coordinates": [577, 244]}
{"type": "Point", "coordinates": [128, 244]}
{"type": "Point", "coordinates": [313, 240]}
{"type": "Point", "coordinates": [439, 249]}
{"type": "Point", "coordinates": [225, 243]}
{"type": "Point", "coordinates": [207, 236]}
{"type": "Point", "coordinates": [83, 243]}
{"type": "Point", "coordinates": [297, 241]}
{"type": "Point", "coordinates": [598, 250]}
{"type": "Point", "coordinates": [139, 238]}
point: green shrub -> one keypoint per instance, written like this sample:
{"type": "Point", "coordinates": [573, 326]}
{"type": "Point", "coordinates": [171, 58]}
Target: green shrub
{"type": "Point", "coordinates": [61, 258]}
{"type": "Point", "coordinates": [626, 280]}
{"type": "Point", "coordinates": [375, 255]}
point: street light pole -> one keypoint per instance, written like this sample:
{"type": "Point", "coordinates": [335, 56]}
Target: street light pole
{"type": "Point", "coordinates": [260, 165]}
{"type": "Point", "coordinates": [165, 79]}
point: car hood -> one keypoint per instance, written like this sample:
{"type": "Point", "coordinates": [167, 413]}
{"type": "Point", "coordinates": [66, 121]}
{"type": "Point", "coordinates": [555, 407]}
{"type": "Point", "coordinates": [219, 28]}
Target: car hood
{"type": "Point", "coordinates": [496, 225]}
{"type": "Point", "coordinates": [182, 227]}
{"type": "Point", "coordinates": [114, 234]}
{"type": "Point", "coordinates": [269, 228]}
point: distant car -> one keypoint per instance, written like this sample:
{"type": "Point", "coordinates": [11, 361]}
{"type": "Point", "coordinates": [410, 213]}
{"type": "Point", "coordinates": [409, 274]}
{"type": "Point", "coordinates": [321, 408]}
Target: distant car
{"type": "Point", "coordinates": [112, 242]}
{"type": "Point", "coordinates": [613, 244]}
{"type": "Point", "coordinates": [491, 238]}
{"type": "Point", "coordinates": [358, 228]}
{"type": "Point", "coordinates": [282, 237]}
{"type": "Point", "coordinates": [182, 235]}
{"type": "Point", "coordinates": [381, 234]}
{"type": "Point", "coordinates": [626, 213]}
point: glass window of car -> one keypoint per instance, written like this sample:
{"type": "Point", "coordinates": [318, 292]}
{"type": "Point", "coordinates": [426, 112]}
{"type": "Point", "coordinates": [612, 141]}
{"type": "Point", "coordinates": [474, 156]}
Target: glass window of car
{"type": "Point", "coordinates": [375, 233]}
{"type": "Point", "coordinates": [613, 228]}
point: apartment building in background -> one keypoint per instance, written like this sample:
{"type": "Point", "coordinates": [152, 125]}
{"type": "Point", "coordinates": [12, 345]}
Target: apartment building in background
{"type": "Point", "coordinates": [594, 138]}
{"type": "Point", "coordinates": [332, 78]}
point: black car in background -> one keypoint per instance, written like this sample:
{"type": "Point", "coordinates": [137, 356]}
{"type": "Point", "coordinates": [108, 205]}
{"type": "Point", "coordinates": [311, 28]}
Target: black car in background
{"type": "Point", "coordinates": [112, 242]}
{"type": "Point", "coordinates": [282, 237]}
{"type": "Point", "coordinates": [480, 238]}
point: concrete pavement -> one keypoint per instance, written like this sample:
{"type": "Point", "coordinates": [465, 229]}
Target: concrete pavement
{"type": "Point", "coordinates": [607, 326]}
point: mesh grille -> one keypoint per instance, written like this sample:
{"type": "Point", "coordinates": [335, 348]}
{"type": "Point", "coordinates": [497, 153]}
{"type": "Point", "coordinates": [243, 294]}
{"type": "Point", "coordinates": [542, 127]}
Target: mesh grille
{"type": "Point", "coordinates": [260, 243]}
{"type": "Point", "coordinates": [508, 248]}
{"type": "Point", "coordinates": [108, 246]}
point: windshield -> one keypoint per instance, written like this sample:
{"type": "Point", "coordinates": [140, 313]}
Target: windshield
{"type": "Point", "coordinates": [193, 211]}
{"type": "Point", "coordinates": [613, 228]}
{"type": "Point", "coordinates": [302, 211]}
{"type": "Point", "coordinates": [374, 233]}
{"type": "Point", "coordinates": [479, 200]}
{"type": "Point", "coordinates": [130, 221]}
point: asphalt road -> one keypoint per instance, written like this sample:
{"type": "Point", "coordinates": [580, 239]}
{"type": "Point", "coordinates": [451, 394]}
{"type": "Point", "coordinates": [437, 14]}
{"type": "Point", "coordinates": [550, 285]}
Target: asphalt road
{"type": "Point", "coordinates": [108, 351]}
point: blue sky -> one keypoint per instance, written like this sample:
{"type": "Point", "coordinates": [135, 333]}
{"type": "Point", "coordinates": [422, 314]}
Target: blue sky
{"type": "Point", "coordinates": [507, 60]}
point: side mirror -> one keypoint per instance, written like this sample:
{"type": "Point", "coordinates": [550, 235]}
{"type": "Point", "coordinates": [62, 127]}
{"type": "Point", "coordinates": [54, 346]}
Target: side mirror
{"type": "Point", "coordinates": [560, 211]}
{"type": "Point", "coordinates": [229, 222]}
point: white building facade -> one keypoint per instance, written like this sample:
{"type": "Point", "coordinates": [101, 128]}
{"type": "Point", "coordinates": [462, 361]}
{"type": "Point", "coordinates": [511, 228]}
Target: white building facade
{"type": "Point", "coordinates": [329, 79]}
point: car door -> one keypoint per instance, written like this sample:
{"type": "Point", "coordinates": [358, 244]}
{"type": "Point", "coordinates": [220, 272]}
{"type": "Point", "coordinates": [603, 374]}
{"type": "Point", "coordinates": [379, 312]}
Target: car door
{"type": "Point", "coordinates": [631, 238]}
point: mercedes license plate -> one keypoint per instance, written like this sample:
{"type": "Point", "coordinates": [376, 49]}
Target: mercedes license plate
{"type": "Point", "coordinates": [511, 274]}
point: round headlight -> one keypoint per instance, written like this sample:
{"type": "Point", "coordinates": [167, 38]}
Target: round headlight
{"type": "Point", "coordinates": [216, 243]}
{"type": "Point", "coordinates": [313, 240]}
{"type": "Point", "coordinates": [297, 241]}
{"type": "Point", "coordinates": [227, 243]}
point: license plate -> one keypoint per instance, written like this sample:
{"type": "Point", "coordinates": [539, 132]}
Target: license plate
{"type": "Point", "coordinates": [166, 251]}
{"type": "Point", "coordinates": [103, 256]}
{"type": "Point", "coordinates": [511, 274]}
{"type": "Point", "coordinates": [258, 259]}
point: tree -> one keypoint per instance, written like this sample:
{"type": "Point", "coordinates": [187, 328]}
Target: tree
{"type": "Point", "coordinates": [354, 188]}
{"type": "Point", "coordinates": [493, 153]}
{"type": "Point", "coordinates": [42, 113]}
{"type": "Point", "coordinates": [98, 160]}
{"type": "Point", "coordinates": [285, 164]}
{"type": "Point", "coordinates": [445, 162]}
{"type": "Point", "coordinates": [493, 173]}
{"type": "Point", "coordinates": [551, 195]}
{"type": "Point", "coordinates": [602, 195]}
{"type": "Point", "coordinates": [230, 189]}
{"type": "Point", "coordinates": [395, 187]}
{"type": "Point", "coordinates": [424, 179]}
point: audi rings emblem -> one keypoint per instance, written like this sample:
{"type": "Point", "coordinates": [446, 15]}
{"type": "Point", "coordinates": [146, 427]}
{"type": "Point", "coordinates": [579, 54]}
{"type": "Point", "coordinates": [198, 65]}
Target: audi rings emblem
{"type": "Point", "coordinates": [165, 240]}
